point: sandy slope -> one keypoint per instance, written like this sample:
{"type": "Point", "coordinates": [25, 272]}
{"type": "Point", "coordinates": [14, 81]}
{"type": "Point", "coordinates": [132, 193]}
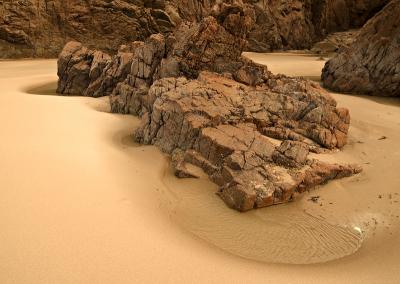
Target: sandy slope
{"type": "Point", "coordinates": [81, 203]}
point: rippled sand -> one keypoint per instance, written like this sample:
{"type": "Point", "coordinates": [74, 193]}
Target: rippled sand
{"type": "Point", "coordinates": [80, 202]}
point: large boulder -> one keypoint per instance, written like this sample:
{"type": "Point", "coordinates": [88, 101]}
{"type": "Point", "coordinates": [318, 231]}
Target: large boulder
{"type": "Point", "coordinates": [203, 103]}
{"type": "Point", "coordinates": [230, 129]}
{"type": "Point", "coordinates": [372, 64]}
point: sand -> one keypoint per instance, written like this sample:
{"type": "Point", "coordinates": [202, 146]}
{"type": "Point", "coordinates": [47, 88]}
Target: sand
{"type": "Point", "coordinates": [81, 203]}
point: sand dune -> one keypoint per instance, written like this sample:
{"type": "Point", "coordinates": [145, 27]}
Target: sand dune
{"type": "Point", "coordinates": [80, 202]}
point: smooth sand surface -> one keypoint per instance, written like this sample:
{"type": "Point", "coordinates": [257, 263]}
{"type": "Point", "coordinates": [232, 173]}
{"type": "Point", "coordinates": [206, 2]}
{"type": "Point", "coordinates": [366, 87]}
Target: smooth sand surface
{"type": "Point", "coordinates": [291, 63]}
{"type": "Point", "coordinates": [81, 203]}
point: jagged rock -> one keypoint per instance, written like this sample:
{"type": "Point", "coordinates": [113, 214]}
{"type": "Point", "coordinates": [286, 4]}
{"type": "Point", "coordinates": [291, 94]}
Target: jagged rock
{"type": "Point", "coordinates": [204, 104]}
{"type": "Point", "coordinates": [302, 108]}
{"type": "Point", "coordinates": [145, 63]}
{"type": "Point", "coordinates": [193, 47]}
{"type": "Point", "coordinates": [93, 73]}
{"type": "Point", "coordinates": [206, 46]}
{"type": "Point", "coordinates": [219, 123]}
{"type": "Point", "coordinates": [77, 67]}
{"type": "Point", "coordinates": [40, 28]}
{"type": "Point", "coordinates": [372, 64]}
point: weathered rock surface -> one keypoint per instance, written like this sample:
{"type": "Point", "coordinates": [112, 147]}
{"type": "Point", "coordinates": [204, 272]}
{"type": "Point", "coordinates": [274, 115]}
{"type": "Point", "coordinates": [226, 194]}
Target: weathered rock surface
{"type": "Point", "coordinates": [335, 42]}
{"type": "Point", "coordinates": [93, 73]}
{"type": "Point", "coordinates": [295, 24]}
{"type": "Point", "coordinates": [225, 128]}
{"type": "Point", "coordinates": [340, 15]}
{"type": "Point", "coordinates": [372, 64]}
{"type": "Point", "coordinates": [200, 101]}
{"type": "Point", "coordinates": [214, 45]}
{"type": "Point", "coordinates": [40, 28]}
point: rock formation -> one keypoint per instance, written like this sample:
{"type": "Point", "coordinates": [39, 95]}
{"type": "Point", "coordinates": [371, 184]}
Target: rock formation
{"type": "Point", "coordinates": [335, 42]}
{"type": "Point", "coordinates": [200, 101]}
{"type": "Point", "coordinates": [372, 64]}
{"type": "Point", "coordinates": [295, 24]}
{"type": "Point", "coordinates": [340, 15]}
{"type": "Point", "coordinates": [40, 28]}
{"type": "Point", "coordinates": [226, 128]}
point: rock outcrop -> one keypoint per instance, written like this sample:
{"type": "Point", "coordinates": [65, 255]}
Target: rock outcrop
{"type": "Point", "coordinates": [226, 128]}
{"type": "Point", "coordinates": [330, 16]}
{"type": "Point", "coordinates": [200, 101]}
{"type": "Point", "coordinates": [372, 64]}
{"type": "Point", "coordinates": [335, 42]}
{"type": "Point", "coordinates": [295, 24]}
{"type": "Point", "coordinates": [40, 28]}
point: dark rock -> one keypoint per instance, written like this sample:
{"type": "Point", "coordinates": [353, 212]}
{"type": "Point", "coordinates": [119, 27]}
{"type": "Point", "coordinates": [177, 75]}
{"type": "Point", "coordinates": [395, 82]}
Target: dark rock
{"type": "Point", "coordinates": [372, 64]}
{"type": "Point", "coordinates": [40, 28]}
{"type": "Point", "coordinates": [335, 42]}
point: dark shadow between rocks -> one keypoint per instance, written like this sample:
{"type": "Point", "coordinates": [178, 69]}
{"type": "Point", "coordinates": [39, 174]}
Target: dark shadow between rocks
{"type": "Point", "coordinates": [387, 101]}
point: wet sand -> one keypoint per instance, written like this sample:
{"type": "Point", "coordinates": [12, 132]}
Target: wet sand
{"type": "Point", "coordinates": [80, 202]}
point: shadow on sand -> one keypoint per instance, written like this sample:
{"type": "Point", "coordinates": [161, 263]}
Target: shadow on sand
{"type": "Point", "coordinates": [48, 89]}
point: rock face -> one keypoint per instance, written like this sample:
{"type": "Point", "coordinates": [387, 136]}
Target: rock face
{"type": "Point", "coordinates": [40, 28]}
{"type": "Point", "coordinates": [200, 101]}
{"type": "Point", "coordinates": [372, 64]}
{"type": "Point", "coordinates": [335, 42]}
{"type": "Point", "coordinates": [341, 15]}
{"type": "Point", "coordinates": [294, 24]}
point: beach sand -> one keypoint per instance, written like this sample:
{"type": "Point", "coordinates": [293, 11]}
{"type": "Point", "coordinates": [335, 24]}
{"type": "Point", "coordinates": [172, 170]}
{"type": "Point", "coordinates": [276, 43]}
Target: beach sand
{"type": "Point", "coordinates": [81, 203]}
